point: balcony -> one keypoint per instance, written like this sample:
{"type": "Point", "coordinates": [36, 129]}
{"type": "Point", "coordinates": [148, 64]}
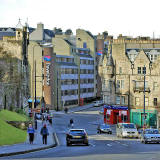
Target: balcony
{"type": "Point", "coordinates": [141, 89]}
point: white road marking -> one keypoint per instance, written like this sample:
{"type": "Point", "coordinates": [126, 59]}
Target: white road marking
{"type": "Point", "coordinates": [93, 145]}
{"type": "Point", "coordinates": [109, 145]}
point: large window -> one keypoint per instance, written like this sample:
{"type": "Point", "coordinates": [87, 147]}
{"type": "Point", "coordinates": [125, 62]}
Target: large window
{"type": "Point", "coordinates": [141, 70]}
{"type": "Point", "coordinates": [137, 101]}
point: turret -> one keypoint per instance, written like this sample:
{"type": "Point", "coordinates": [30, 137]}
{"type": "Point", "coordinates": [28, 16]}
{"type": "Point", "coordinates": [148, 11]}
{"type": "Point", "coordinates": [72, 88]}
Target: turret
{"type": "Point", "coordinates": [19, 31]}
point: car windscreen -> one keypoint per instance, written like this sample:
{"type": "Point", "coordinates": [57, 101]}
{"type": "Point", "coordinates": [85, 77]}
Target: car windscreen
{"type": "Point", "coordinates": [105, 126]}
{"type": "Point", "coordinates": [151, 132]}
{"type": "Point", "coordinates": [77, 132]}
{"type": "Point", "coordinates": [128, 126]}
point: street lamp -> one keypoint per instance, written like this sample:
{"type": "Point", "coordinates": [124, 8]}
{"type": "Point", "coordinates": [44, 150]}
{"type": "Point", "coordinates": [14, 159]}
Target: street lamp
{"type": "Point", "coordinates": [34, 80]}
{"type": "Point", "coordinates": [144, 117]}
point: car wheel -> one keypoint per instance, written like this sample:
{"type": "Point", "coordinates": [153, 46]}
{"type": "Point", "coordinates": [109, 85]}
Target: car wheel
{"type": "Point", "coordinates": [87, 144]}
{"type": "Point", "coordinates": [68, 144]}
{"type": "Point", "coordinates": [110, 132]}
{"type": "Point", "coordinates": [145, 142]}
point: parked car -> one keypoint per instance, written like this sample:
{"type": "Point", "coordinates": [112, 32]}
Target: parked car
{"type": "Point", "coordinates": [104, 128]}
{"type": "Point", "coordinates": [126, 130]}
{"type": "Point", "coordinates": [101, 111]}
{"type": "Point", "coordinates": [97, 103]}
{"type": "Point", "coordinates": [76, 136]}
{"type": "Point", "coordinates": [150, 136]}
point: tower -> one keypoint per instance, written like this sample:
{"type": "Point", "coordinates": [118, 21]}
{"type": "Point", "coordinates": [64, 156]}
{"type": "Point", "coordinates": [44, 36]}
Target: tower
{"type": "Point", "coordinates": [19, 31]}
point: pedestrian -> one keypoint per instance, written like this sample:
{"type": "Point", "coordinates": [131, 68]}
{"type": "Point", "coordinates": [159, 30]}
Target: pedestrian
{"type": "Point", "coordinates": [44, 132]}
{"type": "Point", "coordinates": [65, 109]}
{"type": "Point", "coordinates": [71, 122]}
{"type": "Point", "coordinates": [30, 131]}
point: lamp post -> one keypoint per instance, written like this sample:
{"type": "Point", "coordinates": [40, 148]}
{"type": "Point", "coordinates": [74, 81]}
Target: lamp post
{"type": "Point", "coordinates": [144, 116]}
{"type": "Point", "coordinates": [34, 79]}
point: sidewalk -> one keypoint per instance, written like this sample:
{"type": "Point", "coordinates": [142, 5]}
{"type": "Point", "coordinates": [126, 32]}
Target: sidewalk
{"type": "Point", "coordinates": [37, 145]}
{"type": "Point", "coordinates": [25, 147]}
{"type": "Point", "coordinates": [74, 109]}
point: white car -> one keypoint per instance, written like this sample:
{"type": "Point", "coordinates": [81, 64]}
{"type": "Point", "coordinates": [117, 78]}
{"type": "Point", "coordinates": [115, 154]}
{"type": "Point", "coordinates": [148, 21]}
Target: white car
{"type": "Point", "coordinates": [97, 103]}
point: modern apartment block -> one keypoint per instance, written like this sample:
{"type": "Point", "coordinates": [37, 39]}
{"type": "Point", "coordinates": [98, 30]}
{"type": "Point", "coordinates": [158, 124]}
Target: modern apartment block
{"type": "Point", "coordinates": [66, 46]}
{"type": "Point", "coordinates": [66, 82]}
{"type": "Point", "coordinates": [130, 69]}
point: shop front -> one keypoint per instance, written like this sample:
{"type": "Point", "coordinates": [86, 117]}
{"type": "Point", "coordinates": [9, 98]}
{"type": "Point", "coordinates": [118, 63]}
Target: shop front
{"type": "Point", "coordinates": [114, 114]}
{"type": "Point", "coordinates": [137, 117]}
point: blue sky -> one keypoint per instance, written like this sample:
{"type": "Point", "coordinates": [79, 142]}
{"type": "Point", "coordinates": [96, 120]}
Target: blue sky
{"type": "Point", "coordinates": [129, 17]}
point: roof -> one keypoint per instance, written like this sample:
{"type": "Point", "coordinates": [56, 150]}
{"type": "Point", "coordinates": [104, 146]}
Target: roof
{"type": "Point", "coordinates": [19, 25]}
{"type": "Point", "coordinates": [2, 34]}
{"type": "Point", "coordinates": [90, 34]}
{"type": "Point", "coordinates": [68, 42]}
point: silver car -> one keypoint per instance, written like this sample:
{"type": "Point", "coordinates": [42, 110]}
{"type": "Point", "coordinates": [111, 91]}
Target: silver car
{"type": "Point", "coordinates": [104, 128]}
{"type": "Point", "coordinates": [150, 136]}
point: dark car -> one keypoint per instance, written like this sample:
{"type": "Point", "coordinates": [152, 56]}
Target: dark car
{"type": "Point", "coordinates": [150, 136]}
{"type": "Point", "coordinates": [104, 128]}
{"type": "Point", "coordinates": [76, 136]}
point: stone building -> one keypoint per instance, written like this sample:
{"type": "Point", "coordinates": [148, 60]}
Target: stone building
{"type": "Point", "coordinates": [127, 65]}
{"type": "Point", "coordinates": [14, 67]}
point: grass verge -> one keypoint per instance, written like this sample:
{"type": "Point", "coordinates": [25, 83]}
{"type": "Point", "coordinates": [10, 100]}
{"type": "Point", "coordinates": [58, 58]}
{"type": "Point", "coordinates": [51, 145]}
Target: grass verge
{"type": "Point", "coordinates": [12, 116]}
{"type": "Point", "coordinates": [11, 135]}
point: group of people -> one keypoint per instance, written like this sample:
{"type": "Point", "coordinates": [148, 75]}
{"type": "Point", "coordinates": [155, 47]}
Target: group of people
{"type": "Point", "coordinates": [44, 132]}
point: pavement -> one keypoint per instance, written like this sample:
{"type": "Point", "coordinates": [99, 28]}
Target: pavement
{"type": "Point", "coordinates": [52, 141]}
{"type": "Point", "coordinates": [26, 147]}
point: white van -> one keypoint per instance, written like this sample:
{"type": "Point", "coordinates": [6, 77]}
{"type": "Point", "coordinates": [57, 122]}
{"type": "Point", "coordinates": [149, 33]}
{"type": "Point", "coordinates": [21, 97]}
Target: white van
{"type": "Point", "coordinates": [126, 130]}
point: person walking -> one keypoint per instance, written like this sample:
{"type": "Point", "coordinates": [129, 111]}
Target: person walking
{"type": "Point", "coordinates": [30, 131]}
{"type": "Point", "coordinates": [71, 123]}
{"type": "Point", "coordinates": [44, 132]}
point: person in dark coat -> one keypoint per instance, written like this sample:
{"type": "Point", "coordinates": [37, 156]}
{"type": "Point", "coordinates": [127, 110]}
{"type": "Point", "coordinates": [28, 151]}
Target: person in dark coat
{"type": "Point", "coordinates": [71, 123]}
{"type": "Point", "coordinates": [30, 131]}
{"type": "Point", "coordinates": [44, 132]}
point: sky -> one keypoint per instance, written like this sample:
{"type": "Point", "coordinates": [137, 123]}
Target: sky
{"type": "Point", "coordinates": [127, 17]}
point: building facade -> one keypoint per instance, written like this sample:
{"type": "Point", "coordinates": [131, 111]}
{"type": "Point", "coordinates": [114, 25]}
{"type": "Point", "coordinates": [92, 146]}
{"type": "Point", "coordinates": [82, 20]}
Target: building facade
{"type": "Point", "coordinates": [128, 64]}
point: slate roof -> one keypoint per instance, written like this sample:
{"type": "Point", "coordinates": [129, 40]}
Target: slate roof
{"type": "Point", "coordinates": [68, 42]}
{"type": "Point", "coordinates": [2, 34]}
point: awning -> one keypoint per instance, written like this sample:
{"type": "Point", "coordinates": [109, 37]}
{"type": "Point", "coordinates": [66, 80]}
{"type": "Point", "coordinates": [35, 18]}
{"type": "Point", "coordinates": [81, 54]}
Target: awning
{"type": "Point", "coordinates": [116, 107]}
{"type": "Point", "coordinates": [30, 100]}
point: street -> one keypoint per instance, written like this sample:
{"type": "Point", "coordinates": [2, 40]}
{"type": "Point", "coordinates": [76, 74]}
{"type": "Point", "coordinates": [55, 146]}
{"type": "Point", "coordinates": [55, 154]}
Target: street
{"type": "Point", "coordinates": [101, 146]}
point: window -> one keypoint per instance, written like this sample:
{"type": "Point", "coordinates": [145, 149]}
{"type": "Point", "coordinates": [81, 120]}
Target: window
{"type": "Point", "coordinates": [137, 100]}
{"type": "Point", "coordinates": [118, 100]}
{"type": "Point", "coordinates": [146, 101]}
{"type": "Point", "coordinates": [120, 70]}
{"type": "Point", "coordinates": [155, 101]}
{"type": "Point", "coordinates": [144, 70]}
{"type": "Point", "coordinates": [118, 83]}
{"type": "Point", "coordinates": [139, 70]}
{"type": "Point", "coordinates": [155, 86]}
{"type": "Point", "coordinates": [122, 84]}
{"type": "Point", "coordinates": [123, 100]}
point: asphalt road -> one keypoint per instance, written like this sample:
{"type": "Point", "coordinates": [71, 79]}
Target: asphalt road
{"type": "Point", "coordinates": [102, 146]}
